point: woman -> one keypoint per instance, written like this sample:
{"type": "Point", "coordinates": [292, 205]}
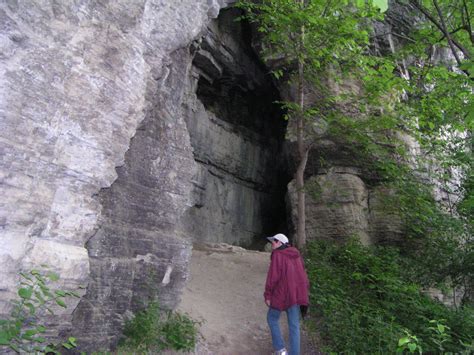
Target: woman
{"type": "Point", "coordinates": [286, 289]}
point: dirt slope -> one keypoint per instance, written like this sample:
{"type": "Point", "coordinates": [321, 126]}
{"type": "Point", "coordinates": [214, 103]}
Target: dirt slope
{"type": "Point", "coordinates": [225, 292]}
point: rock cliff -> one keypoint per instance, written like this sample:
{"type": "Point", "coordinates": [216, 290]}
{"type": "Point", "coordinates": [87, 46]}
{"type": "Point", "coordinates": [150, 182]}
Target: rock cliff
{"type": "Point", "coordinates": [236, 132]}
{"type": "Point", "coordinates": [78, 81]}
{"type": "Point", "coordinates": [129, 131]}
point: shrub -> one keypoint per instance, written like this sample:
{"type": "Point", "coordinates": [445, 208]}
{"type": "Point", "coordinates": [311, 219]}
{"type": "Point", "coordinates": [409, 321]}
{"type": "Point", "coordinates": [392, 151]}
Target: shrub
{"type": "Point", "coordinates": [23, 331]}
{"type": "Point", "coordinates": [367, 304]}
{"type": "Point", "coordinates": [154, 330]}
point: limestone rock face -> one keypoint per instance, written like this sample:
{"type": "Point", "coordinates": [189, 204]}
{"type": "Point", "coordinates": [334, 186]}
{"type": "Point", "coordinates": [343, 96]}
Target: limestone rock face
{"type": "Point", "coordinates": [340, 205]}
{"type": "Point", "coordinates": [77, 80]}
{"type": "Point", "coordinates": [343, 197]}
{"type": "Point", "coordinates": [236, 133]}
{"type": "Point", "coordinates": [137, 253]}
{"type": "Point", "coordinates": [337, 206]}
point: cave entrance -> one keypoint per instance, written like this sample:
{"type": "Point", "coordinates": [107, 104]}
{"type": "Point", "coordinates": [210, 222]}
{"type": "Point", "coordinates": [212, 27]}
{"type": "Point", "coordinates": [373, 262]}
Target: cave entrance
{"type": "Point", "coordinates": [237, 133]}
{"type": "Point", "coordinates": [224, 108]}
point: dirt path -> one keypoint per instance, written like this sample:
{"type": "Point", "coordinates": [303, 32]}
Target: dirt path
{"type": "Point", "coordinates": [225, 293]}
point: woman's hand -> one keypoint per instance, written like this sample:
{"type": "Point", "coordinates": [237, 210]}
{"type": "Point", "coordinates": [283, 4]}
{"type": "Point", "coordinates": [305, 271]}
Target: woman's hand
{"type": "Point", "coordinates": [267, 302]}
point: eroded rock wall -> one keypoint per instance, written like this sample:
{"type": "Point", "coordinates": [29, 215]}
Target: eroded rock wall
{"type": "Point", "coordinates": [77, 80]}
{"type": "Point", "coordinates": [130, 130]}
{"type": "Point", "coordinates": [344, 195]}
{"type": "Point", "coordinates": [137, 254]}
{"type": "Point", "coordinates": [337, 206]}
{"type": "Point", "coordinates": [236, 133]}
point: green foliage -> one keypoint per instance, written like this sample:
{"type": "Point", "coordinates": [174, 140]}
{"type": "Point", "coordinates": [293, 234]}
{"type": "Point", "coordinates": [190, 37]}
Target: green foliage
{"type": "Point", "coordinates": [333, 39]}
{"type": "Point", "coordinates": [381, 4]}
{"type": "Point", "coordinates": [23, 331]}
{"type": "Point", "coordinates": [409, 343]}
{"type": "Point", "coordinates": [322, 36]}
{"type": "Point", "coordinates": [372, 302]}
{"type": "Point", "coordinates": [368, 304]}
{"type": "Point", "coordinates": [466, 206]}
{"type": "Point", "coordinates": [154, 330]}
{"type": "Point", "coordinates": [306, 42]}
{"type": "Point", "coordinates": [438, 108]}
{"type": "Point", "coordinates": [440, 333]}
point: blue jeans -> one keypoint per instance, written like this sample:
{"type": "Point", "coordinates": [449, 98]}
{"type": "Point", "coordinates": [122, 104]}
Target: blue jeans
{"type": "Point", "coordinates": [293, 314]}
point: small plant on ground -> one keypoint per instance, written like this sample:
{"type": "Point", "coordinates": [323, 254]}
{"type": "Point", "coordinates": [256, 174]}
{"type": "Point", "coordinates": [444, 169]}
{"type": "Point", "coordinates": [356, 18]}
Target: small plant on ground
{"type": "Point", "coordinates": [155, 330]}
{"type": "Point", "coordinates": [23, 331]}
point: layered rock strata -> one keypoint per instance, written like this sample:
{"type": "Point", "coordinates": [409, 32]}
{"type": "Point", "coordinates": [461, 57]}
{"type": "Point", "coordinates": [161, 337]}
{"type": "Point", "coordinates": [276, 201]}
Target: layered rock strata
{"type": "Point", "coordinates": [195, 171]}
{"type": "Point", "coordinates": [77, 80]}
{"type": "Point", "coordinates": [236, 132]}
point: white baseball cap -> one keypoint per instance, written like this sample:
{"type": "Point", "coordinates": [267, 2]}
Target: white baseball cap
{"type": "Point", "coordinates": [280, 237]}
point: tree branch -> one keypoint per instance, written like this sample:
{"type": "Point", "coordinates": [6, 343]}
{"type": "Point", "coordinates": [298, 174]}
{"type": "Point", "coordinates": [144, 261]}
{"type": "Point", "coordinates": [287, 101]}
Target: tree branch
{"type": "Point", "coordinates": [394, 34]}
{"type": "Point", "coordinates": [468, 19]}
{"type": "Point", "coordinates": [326, 8]}
{"type": "Point", "coordinates": [444, 29]}
{"type": "Point", "coordinates": [425, 12]}
{"type": "Point", "coordinates": [463, 27]}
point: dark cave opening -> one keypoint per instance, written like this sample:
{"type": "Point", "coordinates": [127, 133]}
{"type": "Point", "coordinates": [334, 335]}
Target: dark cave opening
{"type": "Point", "coordinates": [239, 92]}
{"type": "Point", "coordinates": [252, 108]}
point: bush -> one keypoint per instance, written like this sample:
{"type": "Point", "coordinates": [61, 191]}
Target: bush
{"type": "Point", "coordinates": [155, 330]}
{"type": "Point", "coordinates": [367, 305]}
{"type": "Point", "coordinates": [23, 331]}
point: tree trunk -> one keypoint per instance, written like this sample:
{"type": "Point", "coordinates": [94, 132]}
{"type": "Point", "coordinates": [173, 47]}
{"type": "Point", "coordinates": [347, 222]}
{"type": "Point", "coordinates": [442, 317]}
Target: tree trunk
{"type": "Point", "coordinates": [302, 151]}
{"type": "Point", "coordinates": [301, 209]}
{"type": "Point", "coordinates": [302, 157]}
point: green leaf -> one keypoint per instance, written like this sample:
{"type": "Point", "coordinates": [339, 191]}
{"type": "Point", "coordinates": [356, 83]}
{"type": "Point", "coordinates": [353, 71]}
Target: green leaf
{"type": "Point", "coordinates": [15, 347]}
{"type": "Point", "coordinates": [25, 293]}
{"type": "Point", "coordinates": [30, 332]}
{"type": "Point", "coordinates": [40, 298]}
{"type": "Point", "coordinates": [403, 341]}
{"type": "Point", "coordinates": [60, 293]}
{"type": "Point", "coordinates": [53, 276]}
{"type": "Point", "coordinates": [50, 349]}
{"type": "Point", "coordinates": [68, 346]}
{"type": "Point", "coordinates": [469, 67]}
{"type": "Point", "coordinates": [31, 308]}
{"type": "Point", "coordinates": [61, 302]}
{"type": "Point", "coordinates": [46, 291]}
{"type": "Point", "coordinates": [74, 294]}
{"type": "Point", "coordinates": [4, 338]}
{"type": "Point", "coordinates": [412, 347]}
{"type": "Point", "coordinates": [72, 341]}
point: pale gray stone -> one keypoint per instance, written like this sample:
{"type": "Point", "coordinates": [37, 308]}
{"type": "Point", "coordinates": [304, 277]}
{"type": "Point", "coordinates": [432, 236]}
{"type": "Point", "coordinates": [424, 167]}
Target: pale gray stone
{"type": "Point", "coordinates": [131, 129]}
{"type": "Point", "coordinates": [77, 80]}
{"type": "Point", "coordinates": [336, 207]}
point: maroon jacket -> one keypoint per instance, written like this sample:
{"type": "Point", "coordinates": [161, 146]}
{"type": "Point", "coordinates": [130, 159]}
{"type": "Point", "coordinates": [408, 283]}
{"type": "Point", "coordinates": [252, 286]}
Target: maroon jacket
{"type": "Point", "coordinates": [287, 283]}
